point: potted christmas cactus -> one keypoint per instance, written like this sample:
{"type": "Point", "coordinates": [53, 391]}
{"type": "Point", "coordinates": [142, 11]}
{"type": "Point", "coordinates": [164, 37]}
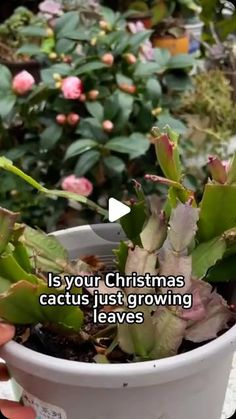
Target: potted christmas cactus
{"type": "Point", "coordinates": [165, 350]}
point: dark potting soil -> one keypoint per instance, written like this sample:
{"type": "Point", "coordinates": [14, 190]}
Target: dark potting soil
{"type": "Point", "coordinates": [47, 340]}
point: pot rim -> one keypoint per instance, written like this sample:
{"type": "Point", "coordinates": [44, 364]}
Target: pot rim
{"type": "Point", "coordinates": [135, 374]}
{"type": "Point", "coordinates": [194, 25]}
{"type": "Point", "coordinates": [93, 375]}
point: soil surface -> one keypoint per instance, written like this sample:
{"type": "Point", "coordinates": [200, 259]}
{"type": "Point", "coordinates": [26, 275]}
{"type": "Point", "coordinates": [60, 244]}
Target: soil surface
{"type": "Point", "coordinates": [46, 340]}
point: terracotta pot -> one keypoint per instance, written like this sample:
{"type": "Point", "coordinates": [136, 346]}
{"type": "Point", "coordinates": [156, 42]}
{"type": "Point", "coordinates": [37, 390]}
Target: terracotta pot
{"type": "Point", "coordinates": [32, 66]}
{"type": "Point", "coordinates": [174, 45]}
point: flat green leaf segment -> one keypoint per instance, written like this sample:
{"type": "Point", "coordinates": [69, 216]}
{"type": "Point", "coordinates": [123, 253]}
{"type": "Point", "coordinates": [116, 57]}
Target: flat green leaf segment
{"type": "Point", "coordinates": [207, 254]}
{"type": "Point", "coordinates": [9, 166]}
{"type": "Point", "coordinates": [215, 236]}
{"type": "Point", "coordinates": [20, 305]}
{"type": "Point", "coordinates": [218, 210]}
{"type": "Point", "coordinates": [23, 253]}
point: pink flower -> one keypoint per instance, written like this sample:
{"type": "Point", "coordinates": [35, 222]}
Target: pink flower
{"type": "Point", "coordinates": [72, 87]}
{"type": "Point", "coordinates": [61, 119]}
{"type": "Point", "coordinates": [108, 126]}
{"type": "Point", "coordinates": [78, 185]}
{"type": "Point", "coordinates": [73, 119]}
{"type": "Point", "coordinates": [51, 7]}
{"type": "Point", "coordinates": [226, 164]}
{"type": "Point", "coordinates": [147, 52]}
{"type": "Point", "coordinates": [146, 49]}
{"type": "Point", "coordinates": [23, 82]}
{"type": "Point", "coordinates": [108, 59]}
{"type": "Point", "coordinates": [136, 27]}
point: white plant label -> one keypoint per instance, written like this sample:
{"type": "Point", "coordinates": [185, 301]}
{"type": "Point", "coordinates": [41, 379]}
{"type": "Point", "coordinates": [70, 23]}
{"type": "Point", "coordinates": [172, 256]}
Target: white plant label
{"type": "Point", "coordinates": [42, 409]}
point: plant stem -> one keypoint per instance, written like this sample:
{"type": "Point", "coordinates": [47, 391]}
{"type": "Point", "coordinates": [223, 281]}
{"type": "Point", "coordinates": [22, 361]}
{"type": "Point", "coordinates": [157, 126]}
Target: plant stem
{"type": "Point", "coordinates": [8, 166]}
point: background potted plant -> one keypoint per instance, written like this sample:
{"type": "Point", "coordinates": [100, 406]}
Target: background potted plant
{"type": "Point", "coordinates": [164, 332]}
{"type": "Point", "coordinates": [124, 86]}
{"type": "Point", "coordinates": [170, 34]}
{"type": "Point", "coordinates": [210, 125]}
{"type": "Point", "coordinates": [219, 43]}
{"type": "Point", "coordinates": [168, 19]}
{"type": "Point", "coordinates": [158, 14]}
{"type": "Point", "coordinates": [20, 29]}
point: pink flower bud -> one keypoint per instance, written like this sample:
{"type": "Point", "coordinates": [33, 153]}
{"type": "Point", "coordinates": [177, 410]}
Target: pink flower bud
{"type": "Point", "coordinates": [82, 98]}
{"type": "Point", "coordinates": [93, 94]}
{"type": "Point", "coordinates": [81, 186]}
{"type": "Point", "coordinates": [67, 59]}
{"type": "Point", "coordinates": [226, 164]}
{"type": "Point", "coordinates": [217, 170]}
{"type": "Point", "coordinates": [73, 119]}
{"type": "Point", "coordinates": [130, 58]}
{"type": "Point", "coordinates": [108, 126]}
{"type": "Point", "coordinates": [168, 157]}
{"type": "Point", "coordinates": [22, 83]}
{"type": "Point", "coordinates": [72, 87]}
{"type": "Point", "coordinates": [61, 119]}
{"type": "Point", "coordinates": [108, 59]}
{"type": "Point", "coordinates": [127, 88]}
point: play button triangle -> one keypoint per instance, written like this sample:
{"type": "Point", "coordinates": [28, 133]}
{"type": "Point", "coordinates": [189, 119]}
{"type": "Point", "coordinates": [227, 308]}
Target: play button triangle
{"type": "Point", "coordinates": [117, 210]}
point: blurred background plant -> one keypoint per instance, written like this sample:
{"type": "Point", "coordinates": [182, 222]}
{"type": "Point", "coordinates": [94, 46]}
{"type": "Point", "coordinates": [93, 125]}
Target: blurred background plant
{"type": "Point", "coordinates": [13, 33]}
{"type": "Point", "coordinates": [89, 10]}
{"type": "Point", "coordinates": [160, 10]}
{"type": "Point", "coordinates": [219, 44]}
{"type": "Point", "coordinates": [125, 85]}
{"type": "Point", "coordinates": [210, 114]}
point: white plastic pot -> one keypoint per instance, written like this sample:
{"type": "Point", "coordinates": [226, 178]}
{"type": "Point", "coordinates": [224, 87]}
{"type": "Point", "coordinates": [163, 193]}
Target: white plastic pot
{"type": "Point", "coordinates": [194, 31]}
{"type": "Point", "coordinates": [187, 386]}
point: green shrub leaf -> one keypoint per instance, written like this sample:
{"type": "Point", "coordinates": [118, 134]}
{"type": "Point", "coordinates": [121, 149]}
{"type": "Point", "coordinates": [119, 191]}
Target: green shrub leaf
{"type": "Point", "coordinates": [135, 145]}
{"type": "Point", "coordinates": [20, 305]}
{"type": "Point", "coordinates": [7, 104]}
{"type": "Point", "coordinates": [96, 110]}
{"type": "Point", "coordinates": [5, 78]}
{"type": "Point", "coordinates": [114, 164]}
{"type": "Point", "coordinates": [50, 136]}
{"type": "Point", "coordinates": [79, 147]}
{"type": "Point", "coordinates": [86, 162]}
